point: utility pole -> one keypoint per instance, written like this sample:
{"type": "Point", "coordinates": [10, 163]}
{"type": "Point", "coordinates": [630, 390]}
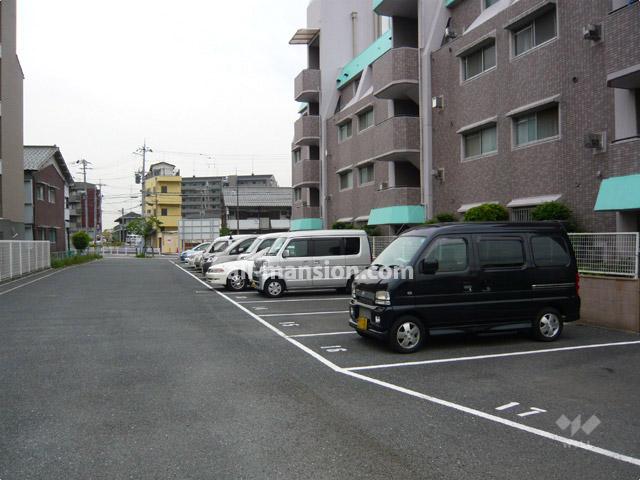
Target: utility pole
{"type": "Point", "coordinates": [143, 151]}
{"type": "Point", "coordinates": [123, 232]}
{"type": "Point", "coordinates": [237, 204]}
{"type": "Point", "coordinates": [85, 207]}
{"type": "Point", "coordinates": [97, 196]}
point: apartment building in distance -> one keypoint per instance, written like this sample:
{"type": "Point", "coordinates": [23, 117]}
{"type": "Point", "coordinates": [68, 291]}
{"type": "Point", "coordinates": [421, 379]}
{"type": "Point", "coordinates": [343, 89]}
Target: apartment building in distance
{"type": "Point", "coordinates": [11, 128]}
{"type": "Point", "coordinates": [202, 197]}
{"type": "Point", "coordinates": [463, 102]}
{"type": "Point", "coordinates": [537, 101]}
{"type": "Point", "coordinates": [85, 208]}
{"type": "Point", "coordinates": [163, 200]}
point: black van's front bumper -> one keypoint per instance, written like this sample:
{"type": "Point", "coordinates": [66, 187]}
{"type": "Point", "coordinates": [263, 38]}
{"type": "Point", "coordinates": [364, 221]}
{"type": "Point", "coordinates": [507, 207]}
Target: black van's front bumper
{"type": "Point", "coordinates": [380, 318]}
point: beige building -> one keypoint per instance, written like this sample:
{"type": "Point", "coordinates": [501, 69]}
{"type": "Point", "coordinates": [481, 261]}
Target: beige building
{"type": "Point", "coordinates": [11, 128]}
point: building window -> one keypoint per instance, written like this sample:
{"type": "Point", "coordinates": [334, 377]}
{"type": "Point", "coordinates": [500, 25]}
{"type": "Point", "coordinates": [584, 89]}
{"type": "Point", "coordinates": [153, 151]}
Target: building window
{"type": "Point", "coordinates": [480, 142]}
{"type": "Point", "coordinates": [297, 156]}
{"type": "Point", "coordinates": [366, 174]}
{"type": "Point", "coordinates": [52, 195]}
{"type": "Point", "coordinates": [479, 61]}
{"type": "Point", "coordinates": [522, 214]}
{"type": "Point", "coordinates": [540, 30]}
{"type": "Point", "coordinates": [488, 3]}
{"type": "Point", "coordinates": [345, 131]}
{"type": "Point", "coordinates": [53, 235]}
{"type": "Point", "coordinates": [365, 120]}
{"type": "Point", "coordinates": [164, 189]}
{"type": "Point", "coordinates": [40, 192]}
{"type": "Point", "coordinates": [164, 212]}
{"type": "Point", "coordinates": [533, 127]}
{"type": "Point", "coordinates": [346, 180]}
{"type": "Point", "coordinates": [297, 194]}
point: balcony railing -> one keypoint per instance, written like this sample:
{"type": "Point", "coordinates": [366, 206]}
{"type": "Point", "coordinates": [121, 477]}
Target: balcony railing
{"type": "Point", "coordinates": [302, 210]}
{"type": "Point", "coordinates": [307, 86]}
{"type": "Point", "coordinates": [398, 139]}
{"type": "Point", "coordinates": [307, 130]}
{"type": "Point", "coordinates": [398, 196]}
{"type": "Point", "coordinates": [396, 74]}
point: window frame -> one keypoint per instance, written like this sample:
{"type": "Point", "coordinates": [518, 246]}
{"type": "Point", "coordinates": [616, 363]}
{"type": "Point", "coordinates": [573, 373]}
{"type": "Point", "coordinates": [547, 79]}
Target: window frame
{"type": "Point", "coordinates": [532, 25]}
{"type": "Point", "coordinates": [478, 131]}
{"type": "Point", "coordinates": [164, 212]}
{"type": "Point", "coordinates": [516, 119]}
{"type": "Point", "coordinates": [491, 42]}
{"type": "Point", "coordinates": [51, 195]}
{"type": "Point", "coordinates": [40, 192]}
{"type": "Point", "coordinates": [366, 112]}
{"type": "Point", "coordinates": [348, 126]}
{"type": "Point", "coordinates": [361, 168]}
{"type": "Point", "coordinates": [344, 174]}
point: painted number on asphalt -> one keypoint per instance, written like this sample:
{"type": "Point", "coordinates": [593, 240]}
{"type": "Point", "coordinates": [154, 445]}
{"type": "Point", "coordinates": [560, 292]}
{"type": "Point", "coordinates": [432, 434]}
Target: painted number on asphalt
{"type": "Point", "coordinates": [334, 348]}
{"type": "Point", "coordinates": [289, 324]}
{"type": "Point", "coordinates": [528, 413]}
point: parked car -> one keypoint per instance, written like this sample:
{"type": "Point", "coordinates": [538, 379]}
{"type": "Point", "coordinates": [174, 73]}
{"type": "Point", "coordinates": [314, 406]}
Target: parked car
{"type": "Point", "coordinates": [468, 277]}
{"type": "Point", "coordinates": [312, 260]}
{"type": "Point", "coordinates": [237, 245]}
{"type": "Point", "coordinates": [235, 275]}
{"type": "Point", "coordinates": [187, 253]}
{"type": "Point", "coordinates": [219, 244]}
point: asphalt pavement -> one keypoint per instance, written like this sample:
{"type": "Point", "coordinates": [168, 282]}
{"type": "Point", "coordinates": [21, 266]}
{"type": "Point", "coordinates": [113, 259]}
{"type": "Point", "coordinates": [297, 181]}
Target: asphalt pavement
{"type": "Point", "coordinates": [134, 369]}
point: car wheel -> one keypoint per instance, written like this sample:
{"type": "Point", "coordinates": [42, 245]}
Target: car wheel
{"type": "Point", "coordinates": [274, 288]}
{"type": "Point", "coordinates": [236, 281]}
{"type": "Point", "coordinates": [548, 325]}
{"type": "Point", "coordinates": [407, 335]}
{"type": "Point", "coordinates": [346, 289]}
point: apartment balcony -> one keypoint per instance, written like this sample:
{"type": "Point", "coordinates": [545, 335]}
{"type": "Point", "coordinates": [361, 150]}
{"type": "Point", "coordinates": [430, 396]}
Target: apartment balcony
{"type": "Point", "coordinates": [396, 8]}
{"type": "Point", "coordinates": [307, 130]}
{"type": "Point", "coordinates": [396, 75]}
{"type": "Point", "coordinates": [398, 139]}
{"type": "Point", "coordinates": [307, 86]}
{"type": "Point", "coordinates": [303, 210]}
{"type": "Point", "coordinates": [306, 172]}
{"type": "Point", "coordinates": [398, 196]}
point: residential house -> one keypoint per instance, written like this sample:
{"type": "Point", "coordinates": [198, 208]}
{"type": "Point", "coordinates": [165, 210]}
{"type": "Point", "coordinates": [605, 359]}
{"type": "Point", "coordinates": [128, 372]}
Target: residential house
{"type": "Point", "coordinates": [119, 232]}
{"type": "Point", "coordinates": [163, 200]}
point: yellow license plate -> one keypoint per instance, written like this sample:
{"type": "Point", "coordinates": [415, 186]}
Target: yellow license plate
{"type": "Point", "coordinates": [362, 323]}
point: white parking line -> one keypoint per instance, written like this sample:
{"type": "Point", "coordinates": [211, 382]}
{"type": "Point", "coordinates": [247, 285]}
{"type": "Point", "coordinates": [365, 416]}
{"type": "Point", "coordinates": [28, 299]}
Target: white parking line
{"type": "Point", "coordinates": [304, 313]}
{"type": "Point", "coordinates": [303, 335]}
{"type": "Point", "coordinates": [296, 300]}
{"type": "Point", "coordinates": [438, 401]}
{"type": "Point", "coordinates": [495, 355]}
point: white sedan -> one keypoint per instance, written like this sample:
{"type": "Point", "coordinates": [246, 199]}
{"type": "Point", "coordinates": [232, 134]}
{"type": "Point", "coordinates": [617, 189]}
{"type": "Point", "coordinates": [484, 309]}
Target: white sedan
{"type": "Point", "coordinates": [234, 275]}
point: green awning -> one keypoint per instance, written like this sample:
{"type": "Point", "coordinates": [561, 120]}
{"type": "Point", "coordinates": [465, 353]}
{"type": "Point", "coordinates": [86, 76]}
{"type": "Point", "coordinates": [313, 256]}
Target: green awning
{"type": "Point", "coordinates": [306, 224]}
{"type": "Point", "coordinates": [373, 52]}
{"type": "Point", "coordinates": [619, 193]}
{"type": "Point", "coordinates": [398, 215]}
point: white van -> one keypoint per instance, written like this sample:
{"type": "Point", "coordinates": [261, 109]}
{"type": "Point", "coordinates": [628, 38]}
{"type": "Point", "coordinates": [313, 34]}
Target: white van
{"type": "Point", "coordinates": [312, 260]}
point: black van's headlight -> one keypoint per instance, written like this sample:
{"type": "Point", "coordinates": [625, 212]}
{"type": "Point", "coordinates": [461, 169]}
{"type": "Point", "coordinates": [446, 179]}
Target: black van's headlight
{"type": "Point", "coordinates": [382, 298]}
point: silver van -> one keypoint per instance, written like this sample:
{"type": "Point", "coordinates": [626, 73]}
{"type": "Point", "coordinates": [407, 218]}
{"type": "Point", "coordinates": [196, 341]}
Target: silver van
{"type": "Point", "coordinates": [312, 260]}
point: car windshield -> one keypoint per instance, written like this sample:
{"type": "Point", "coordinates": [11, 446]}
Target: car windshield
{"type": "Point", "coordinates": [275, 248]}
{"type": "Point", "coordinates": [254, 246]}
{"type": "Point", "coordinates": [400, 252]}
{"type": "Point", "coordinates": [202, 246]}
{"type": "Point", "coordinates": [219, 246]}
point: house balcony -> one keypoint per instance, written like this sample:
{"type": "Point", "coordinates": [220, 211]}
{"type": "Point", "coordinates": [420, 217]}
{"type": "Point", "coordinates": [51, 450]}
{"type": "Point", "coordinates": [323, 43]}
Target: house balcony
{"type": "Point", "coordinates": [306, 172]}
{"type": "Point", "coordinates": [398, 139]}
{"type": "Point", "coordinates": [307, 86]}
{"type": "Point", "coordinates": [303, 210]}
{"type": "Point", "coordinates": [396, 75]}
{"type": "Point", "coordinates": [398, 196]}
{"type": "Point", "coordinates": [307, 130]}
{"type": "Point", "coordinates": [396, 8]}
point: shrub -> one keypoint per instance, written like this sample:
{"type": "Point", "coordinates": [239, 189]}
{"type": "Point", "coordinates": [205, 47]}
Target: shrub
{"type": "Point", "coordinates": [371, 230]}
{"type": "Point", "coordinates": [80, 240]}
{"type": "Point", "coordinates": [551, 211]}
{"type": "Point", "coordinates": [488, 212]}
{"type": "Point", "coordinates": [75, 260]}
{"type": "Point", "coordinates": [442, 218]}
{"type": "Point", "coordinates": [342, 226]}
{"type": "Point", "coordinates": [224, 231]}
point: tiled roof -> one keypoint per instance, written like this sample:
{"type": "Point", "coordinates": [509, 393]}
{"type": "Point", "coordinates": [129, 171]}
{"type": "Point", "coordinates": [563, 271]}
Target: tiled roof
{"type": "Point", "coordinates": [36, 157]}
{"type": "Point", "coordinates": [258, 196]}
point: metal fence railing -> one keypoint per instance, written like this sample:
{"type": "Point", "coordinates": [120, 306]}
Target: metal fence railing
{"type": "Point", "coordinates": [613, 254]}
{"type": "Point", "coordinates": [20, 257]}
{"type": "Point", "coordinates": [607, 253]}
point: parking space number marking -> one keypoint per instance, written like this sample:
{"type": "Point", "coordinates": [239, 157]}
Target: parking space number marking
{"type": "Point", "coordinates": [334, 348]}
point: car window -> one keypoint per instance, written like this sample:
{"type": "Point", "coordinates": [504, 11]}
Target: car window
{"type": "Point", "coordinates": [242, 247]}
{"type": "Point", "coordinates": [352, 246]}
{"type": "Point", "coordinates": [452, 254]}
{"type": "Point", "coordinates": [298, 248]}
{"type": "Point", "coordinates": [326, 247]}
{"type": "Point", "coordinates": [275, 248]}
{"type": "Point", "coordinates": [218, 247]}
{"type": "Point", "coordinates": [265, 244]}
{"type": "Point", "coordinates": [400, 252]}
{"type": "Point", "coordinates": [501, 252]}
{"type": "Point", "coordinates": [550, 251]}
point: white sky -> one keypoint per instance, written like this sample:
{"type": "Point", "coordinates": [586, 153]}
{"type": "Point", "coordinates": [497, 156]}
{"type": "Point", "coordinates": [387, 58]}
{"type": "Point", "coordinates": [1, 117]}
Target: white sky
{"type": "Point", "coordinates": [212, 77]}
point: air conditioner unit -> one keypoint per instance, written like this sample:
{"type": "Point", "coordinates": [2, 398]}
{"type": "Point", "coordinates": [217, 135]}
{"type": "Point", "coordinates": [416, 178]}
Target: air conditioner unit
{"type": "Point", "coordinates": [437, 102]}
{"type": "Point", "coordinates": [595, 141]}
{"type": "Point", "coordinates": [592, 32]}
{"type": "Point", "coordinates": [383, 186]}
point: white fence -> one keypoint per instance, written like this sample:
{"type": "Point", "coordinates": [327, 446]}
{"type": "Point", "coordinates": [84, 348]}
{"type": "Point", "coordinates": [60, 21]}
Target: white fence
{"type": "Point", "coordinates": [596, 253]}
{"type": "Point", "coordinates": [607, 253]}
{"type": "Point", "coordinates": [19, 258]}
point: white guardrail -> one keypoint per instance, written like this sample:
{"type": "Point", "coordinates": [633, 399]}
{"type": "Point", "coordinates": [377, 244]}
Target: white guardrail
{"type": "Point", "coordinates": [597, 253]}
{"type": "Point", "coordinates": [21, 257]}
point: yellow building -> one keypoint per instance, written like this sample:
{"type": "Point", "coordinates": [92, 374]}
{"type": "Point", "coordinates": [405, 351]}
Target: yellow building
{"type": "Point", "coordinates": [163, 200]}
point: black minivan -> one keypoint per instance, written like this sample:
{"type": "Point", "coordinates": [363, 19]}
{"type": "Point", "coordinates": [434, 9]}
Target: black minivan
{"type": "Point", "coordinates": [478, 277]}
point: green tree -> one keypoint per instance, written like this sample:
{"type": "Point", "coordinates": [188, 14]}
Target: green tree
{"type": "Point", "coordinates": [80, 240]}
{"type": "Point", "coordinates": [442, 218]}
{"type": "Point", "coordinates": [487, 212]}
{"type": "Point", "coordinates": [342, 226]}
{"type": "Point", "coordinates": [224, 232]}
{"type": "Point", "coordinates": [551, 211]}
{"type": "Point", "coordinates": [145, 227]}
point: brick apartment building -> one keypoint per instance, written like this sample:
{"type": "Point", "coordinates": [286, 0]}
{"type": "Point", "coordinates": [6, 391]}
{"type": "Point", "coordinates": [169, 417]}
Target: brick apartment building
{"type": "Point", "coordinates": [85, 209]}
{"type": "Point", "coordinates": [462, 102]}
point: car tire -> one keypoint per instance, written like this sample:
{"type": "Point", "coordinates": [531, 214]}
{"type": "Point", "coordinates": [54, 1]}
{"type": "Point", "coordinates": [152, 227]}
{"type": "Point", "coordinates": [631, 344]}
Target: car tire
{"type": "Point", "coordinates": [346, 289]}
{"type": "Point", "coordinates": [237, 281]}
{"type": "Point", "coordinates": [548, 325]}
{"type": "Point", "coordinates": [274, 288]}
{"type": "Point", "coordinates": [407, 335]}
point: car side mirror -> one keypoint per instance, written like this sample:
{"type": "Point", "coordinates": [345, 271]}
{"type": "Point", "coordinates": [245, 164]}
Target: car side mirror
{"type": "Point", "coordinates": [285, 253]}
{"type": "Point", "coordinates": [428, 267]}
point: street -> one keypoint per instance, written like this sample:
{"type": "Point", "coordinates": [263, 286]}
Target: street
{"type": "Point", "coordinates": [134, 368]}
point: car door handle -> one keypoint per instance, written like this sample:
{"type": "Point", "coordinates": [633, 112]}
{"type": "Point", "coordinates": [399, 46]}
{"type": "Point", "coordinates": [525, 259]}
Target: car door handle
{"type": "Point", "coordinates": [468, 288]}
